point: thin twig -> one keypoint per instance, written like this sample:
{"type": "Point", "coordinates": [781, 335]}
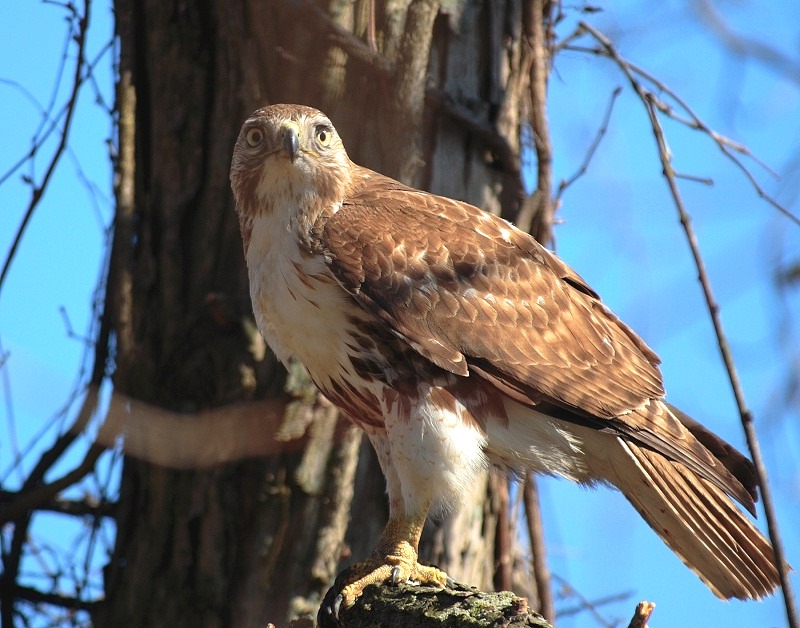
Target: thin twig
{"type": "Point", "coordinates": [32, 498]}
{"type": "Point", "coordinates": [40, 597]}
{"type": "Point", "coordinates": [584, 602]}
{"type": "Point", "coordinates": [38, 190]}
{"type": "Point", "coordinates": [653, 107]}
{"type": "Point", "coordinates": [596, 603]}
{"type": "Point", "coordinates": [730, 367]}
{"type": "Point", "coordinates": [693, 177]}
{"type": "Point", "coordinates": [565, 183]}
{"type": "Point", "coordinates": [742, 45]}
{"type": "Point", "coordinates": [726, 145]}
{"type": "Point", "coordinates": [49, 119]}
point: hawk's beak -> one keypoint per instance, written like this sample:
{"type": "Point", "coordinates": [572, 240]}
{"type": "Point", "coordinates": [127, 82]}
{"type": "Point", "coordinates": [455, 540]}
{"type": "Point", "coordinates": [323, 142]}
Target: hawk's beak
{"type": "Point", "coordinates": [290, 133]}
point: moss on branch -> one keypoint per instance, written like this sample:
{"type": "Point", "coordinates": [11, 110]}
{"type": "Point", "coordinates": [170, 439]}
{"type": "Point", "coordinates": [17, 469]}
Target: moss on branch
{"type": "Point", "coordinates": [410, 605]}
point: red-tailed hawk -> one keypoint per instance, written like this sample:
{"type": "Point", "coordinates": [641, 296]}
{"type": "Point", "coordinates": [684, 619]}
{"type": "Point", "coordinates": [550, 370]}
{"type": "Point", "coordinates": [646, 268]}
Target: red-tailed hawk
{"type": "Point", "coordinates": [455, 340]}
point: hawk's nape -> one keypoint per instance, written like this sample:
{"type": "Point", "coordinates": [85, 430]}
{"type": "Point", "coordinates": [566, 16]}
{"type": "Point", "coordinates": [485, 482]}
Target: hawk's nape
{"type": "Point", "coordinates": [456, 340]}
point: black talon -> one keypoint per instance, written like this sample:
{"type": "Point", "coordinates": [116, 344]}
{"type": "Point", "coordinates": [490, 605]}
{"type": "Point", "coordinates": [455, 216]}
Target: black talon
{"type": "Point", "coordinates": [394, 580]}
{"type": "Point", "coordinates": [450, 583]}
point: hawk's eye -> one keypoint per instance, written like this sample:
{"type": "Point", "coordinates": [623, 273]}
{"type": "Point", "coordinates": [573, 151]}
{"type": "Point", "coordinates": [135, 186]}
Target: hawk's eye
{"type": "Point", "coordinates": [323, 134]}
{"type": "Point", "coordinates": [254, 137]}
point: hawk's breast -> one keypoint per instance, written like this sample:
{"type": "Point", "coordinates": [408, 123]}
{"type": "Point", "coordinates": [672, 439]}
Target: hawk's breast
{"type": "Point", "coordinates": [302, 312]}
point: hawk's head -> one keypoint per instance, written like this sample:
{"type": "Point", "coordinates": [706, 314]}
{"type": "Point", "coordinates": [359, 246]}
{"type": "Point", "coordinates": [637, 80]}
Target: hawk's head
{"type": "Point", "coordinates": [287, 158]}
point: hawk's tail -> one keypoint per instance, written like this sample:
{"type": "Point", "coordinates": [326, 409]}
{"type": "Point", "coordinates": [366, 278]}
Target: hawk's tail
{"type": "Point", "coordinates": [697, 520]}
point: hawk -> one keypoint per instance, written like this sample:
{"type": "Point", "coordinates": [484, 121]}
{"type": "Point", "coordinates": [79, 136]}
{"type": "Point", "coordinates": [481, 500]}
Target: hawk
{"type": "Point", "coordinates": [455, 341]}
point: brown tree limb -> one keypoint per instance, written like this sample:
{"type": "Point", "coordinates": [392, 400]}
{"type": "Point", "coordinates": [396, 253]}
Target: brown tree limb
{"type": "Point", "coordinates": [541, 570]}
{"type": "Point", "coordinates": [537, 213]}
{"type": "Point", "coordinates": [344, 39]}
{"type": "Point", "coordinates": [411, 75]}
{"type": "Point", "coordinates": [434, 97]}
{"type": "Point", "coordinates": [642, 614]}
{"type": "Point", "coordinates": [503, 564]}
{"type": "Point", "coordinates": [733, 376]}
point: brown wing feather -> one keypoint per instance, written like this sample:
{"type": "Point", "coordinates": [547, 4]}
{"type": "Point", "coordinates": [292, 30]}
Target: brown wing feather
{"type": "Point", "coordinates": [473, 294]}
{"type": "Point", "coordinates": [443, 276]}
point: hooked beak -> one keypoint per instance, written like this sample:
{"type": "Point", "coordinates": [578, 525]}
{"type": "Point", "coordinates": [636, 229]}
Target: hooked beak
{"type": "Point", "coordinates": [290, 139]}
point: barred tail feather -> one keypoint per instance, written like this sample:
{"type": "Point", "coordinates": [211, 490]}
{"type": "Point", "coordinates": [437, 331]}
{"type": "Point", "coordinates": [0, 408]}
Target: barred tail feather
{"type": "Point", "coordinates": [697, 520]}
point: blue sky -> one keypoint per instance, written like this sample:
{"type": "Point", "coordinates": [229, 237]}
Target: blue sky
{"type": "Point", "coordinates": [619, 230]}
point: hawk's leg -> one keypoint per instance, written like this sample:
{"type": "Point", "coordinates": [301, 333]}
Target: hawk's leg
{"type": "Point", "coordinates": [393, 560]}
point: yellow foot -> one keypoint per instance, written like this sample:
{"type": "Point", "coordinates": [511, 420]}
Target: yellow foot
{"type": "Point", "coordinates": [391, 569]}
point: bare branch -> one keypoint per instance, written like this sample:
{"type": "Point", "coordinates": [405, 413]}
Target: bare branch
{"type": "Point", "coordinates": [727, 357]}
{"type": "Point", "coordinates": [741, 44]}
{"type": "Point", "coordinates": [40, 597]}
{"type": "Point", "coordinates": [592, 148]}
{"type": "Point", "coordinates": [536, 215]}
{"type": "Point", "coordinates": [596, 603]}
{"type": "Point", "coordinates": [76, 508]}
{"type": "Point", "coordinates": [642, 614]}
{"type": "Point", "coordinates": [32, 498]}
{"type": "Point", "coordinates": [346, 40]}
{"type": "Point", "coordinates": [541, 571]}
{"type": "Point", "coordinates": [584, 603]}
{"type": "Point", "coordinates": [506, 155]}
{"type": "Point", "coordinates": [503, 533]}
{"type": "Point", "coordinates": [654, 105]}
{"type": "Point", "coordinates": [366, 54]}
{"type": "Point", "coordinates": [39, 189]}
{"type": "Point", "coordinates": [689, 118]}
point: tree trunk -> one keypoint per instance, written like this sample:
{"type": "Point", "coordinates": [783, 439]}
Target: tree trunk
{"type": "Point", "coordinates": [427, 94]}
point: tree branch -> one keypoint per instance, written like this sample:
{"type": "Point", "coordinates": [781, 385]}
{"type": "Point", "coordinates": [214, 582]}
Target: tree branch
{"type": "Point", "coordinates": [691, 120]}
{"type": "Point", "coordinates": [541, 571]}
{"type": "Point", "coordinates": [40, 597]}
{"type": "Point", "coordinates": [642, 614]}
{"type": "Point", "coordinates": [537, 214]}
{"type": "Point", "coordinates": [653, 107]}
{"type": "Point", "coordinates": [565, 183]}
{"type": "Point", "coordinates": [38, 190]}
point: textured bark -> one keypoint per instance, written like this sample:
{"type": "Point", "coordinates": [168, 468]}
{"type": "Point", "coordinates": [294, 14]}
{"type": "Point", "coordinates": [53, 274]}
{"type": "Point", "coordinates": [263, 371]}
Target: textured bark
{"type": "Point", "coordinates": [261, 540]}
{"type": "Point", "coordinates": [424, 607]}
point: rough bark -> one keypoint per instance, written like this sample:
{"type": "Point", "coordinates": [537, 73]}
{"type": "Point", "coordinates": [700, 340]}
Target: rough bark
{"type": "Point", "coordinates": [260, 540]}
{"type": "Point", "coordinates": [458, 606]}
